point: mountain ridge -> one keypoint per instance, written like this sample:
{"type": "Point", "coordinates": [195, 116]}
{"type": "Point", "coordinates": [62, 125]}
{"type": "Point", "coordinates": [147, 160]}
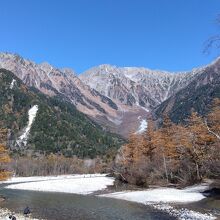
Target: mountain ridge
{"type": "Point", "coordinates": [115, 97]}
{"type": "Point", "coordinates": [53, 125]}
{"type": "Point", "coordinates": [143, 79]}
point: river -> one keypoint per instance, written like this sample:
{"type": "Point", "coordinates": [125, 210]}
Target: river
{"type": "Point", "coordinates": [63, 206]}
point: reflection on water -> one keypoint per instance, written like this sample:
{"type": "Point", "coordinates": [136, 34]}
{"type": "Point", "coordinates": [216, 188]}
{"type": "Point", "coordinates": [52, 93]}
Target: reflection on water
{"type": "Point", "coordinates": [60, 206]}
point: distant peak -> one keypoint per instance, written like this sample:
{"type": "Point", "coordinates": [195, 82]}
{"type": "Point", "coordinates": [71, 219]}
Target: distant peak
{"type": "Point", "coordinates": [45, 66]}
{"type": "Point", "coordinates": [68, 71]}
{"type": "Point", "coordinates": [217, 60]}
{"type": "Point", "coordinates": [106, 67]}
{"type": "Point", "coordinates": [10, 55]}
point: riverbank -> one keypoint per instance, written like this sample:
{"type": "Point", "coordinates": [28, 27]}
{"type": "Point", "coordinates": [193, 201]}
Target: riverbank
{"type": "Point", "coordinates": [78, 184]}
{"type": "Point", "coordinates": [5, 213]}
{"type": "Point", "coordinates": [161, 198]}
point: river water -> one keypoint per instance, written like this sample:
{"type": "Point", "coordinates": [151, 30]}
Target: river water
{"type": "Point", "coordinates": [63, 206]}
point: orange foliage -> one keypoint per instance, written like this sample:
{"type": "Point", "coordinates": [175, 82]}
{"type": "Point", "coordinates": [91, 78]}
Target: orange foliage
{"type": "Point", "coordinates": [4, 158]}
{"type": "Point", "coordinates": [178, 149]}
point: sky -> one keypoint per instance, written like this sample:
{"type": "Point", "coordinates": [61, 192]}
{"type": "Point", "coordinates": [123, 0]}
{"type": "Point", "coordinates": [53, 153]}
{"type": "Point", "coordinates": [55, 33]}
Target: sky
{"type": "Point", "coordinates": [157, 34]}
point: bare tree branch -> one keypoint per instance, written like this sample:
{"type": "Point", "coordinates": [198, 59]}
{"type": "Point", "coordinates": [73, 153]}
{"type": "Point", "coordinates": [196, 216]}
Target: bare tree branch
{"type": "Point", "coordinates": [210, 131]}
{"type": "Point", "coordinates": [214, 41]}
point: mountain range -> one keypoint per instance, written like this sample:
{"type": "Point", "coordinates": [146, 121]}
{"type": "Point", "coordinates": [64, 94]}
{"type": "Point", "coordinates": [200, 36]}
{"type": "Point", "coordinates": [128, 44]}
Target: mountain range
{"type": "Point", "coordinates": [41, 124]}
{"type": "Point", "coordinates": [120, 98]}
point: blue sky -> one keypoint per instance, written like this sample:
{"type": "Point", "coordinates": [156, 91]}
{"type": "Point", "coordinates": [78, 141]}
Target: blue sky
{"type": "Point", "coordinates": [158, 34]}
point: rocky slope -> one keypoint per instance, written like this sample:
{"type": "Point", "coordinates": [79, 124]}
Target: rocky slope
{"type": "Point", "coordinates": [160, 92]}
{"type": "Point", "coordinates": [197, 95]}
{"type": "Point", "coordinates": [134, 86]}
{"type": "Point", "coordinates": [39, 123]}
{"type": "Point", "coordinates": [63, 82]}
{"type": "Point", "coordinates": [118, 98]}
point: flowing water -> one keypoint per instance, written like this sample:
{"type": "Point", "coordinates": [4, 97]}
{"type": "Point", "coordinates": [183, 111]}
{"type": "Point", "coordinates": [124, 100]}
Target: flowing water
{"type": "Point", "coordinates": [207, 205]}
{"type": "Point", "coordinates": [62, 206]}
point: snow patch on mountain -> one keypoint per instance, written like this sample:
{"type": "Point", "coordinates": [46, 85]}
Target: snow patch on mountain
{"type": "Point", "coordinates": [12, 84]}
{"type": "Point", "coordinates": [31, 116]}
{"type": "Point", "coordinates": [142, 126]}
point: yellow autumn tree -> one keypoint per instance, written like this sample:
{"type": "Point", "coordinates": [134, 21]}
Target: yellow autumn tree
{"type": "Point", "coordinates": [129, 150]}
{"type": "Point", "coordinates": [199, 141]}
{"type": "Point", "coordinates": [213, 119]}
{"type": "Point", "coordinates": [131, 156]}
{"type": "Point", "coordinates": [4, 158]}
{"type": "Point", "coordinates": [212, 123]}
{"type": "Point", "coordinates": [148, 144]}
{"type": "Point", "coordinates": [165, 141]}
{"type": "Point", "coordinates": [181, 153]}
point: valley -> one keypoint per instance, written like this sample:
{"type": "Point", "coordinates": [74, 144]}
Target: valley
{"type": "Point", "coordinates": [104, 120]}
{"type": "Point", "coordinates": [110, 110]}
{"type": "Point", "coordinates": [115, 97]}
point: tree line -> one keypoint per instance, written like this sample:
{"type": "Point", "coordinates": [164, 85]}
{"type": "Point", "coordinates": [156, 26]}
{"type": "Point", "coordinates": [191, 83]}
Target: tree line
{"type": "Point", "coordinates": [4, 157]}
{"type": "Point", "coordinates": [173, 153]}
{"type": "Point", "coordinates": [166, 154]}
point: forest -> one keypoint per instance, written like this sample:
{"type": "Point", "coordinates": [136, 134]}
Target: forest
{"type": "Point", "coordinates": [173, 153]}
{"type": "Point", "coordinates": [59, 127]}
{"type": "Point", "coordinates": [165, 154]}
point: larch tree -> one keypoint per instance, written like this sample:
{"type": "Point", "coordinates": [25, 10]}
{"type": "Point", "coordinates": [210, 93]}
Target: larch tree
{"type": "Point", "coordinates": [148, 146]}
{"type": "Point", "coordinates": [4, 157]}
{"type": "Point", "coordinates": [199, 140]}
{"type": "Point", "coordinates": [213, 120]}
{"type": "Point", "coordinates": [166, 142]}
{"type": "Point", "coordinates": [131, 159]}
{"type": "Point", "coordinates": [130, 150]}
{"type": "Point", "coordinates": [212, 123]}
{"type": "Point", "coordinates": [125, 157]}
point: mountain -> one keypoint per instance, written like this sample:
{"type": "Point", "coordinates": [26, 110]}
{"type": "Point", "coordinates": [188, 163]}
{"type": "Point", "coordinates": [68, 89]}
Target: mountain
{"type": "Point", "coordinates": [118, 98]}
{"type": "Point", "coordinates": [63, 82]}
{"type": "Point", "coordinates": [198, 95]}
{"type": "Point", "coordinates": [39, 123]}
{"type": "Point", "coordinates": [139, 90]}
{"type": "Point", "coordinates": [114, 115]}
{"type": "Point", "coordinates": [134, 86]}
{"type": "Point", "coordinates": [160, 92]}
